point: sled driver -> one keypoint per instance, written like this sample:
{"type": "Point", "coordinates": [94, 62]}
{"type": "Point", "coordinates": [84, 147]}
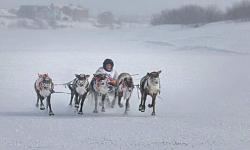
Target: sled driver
{"type": "Point", "coordinates": [108, 68]}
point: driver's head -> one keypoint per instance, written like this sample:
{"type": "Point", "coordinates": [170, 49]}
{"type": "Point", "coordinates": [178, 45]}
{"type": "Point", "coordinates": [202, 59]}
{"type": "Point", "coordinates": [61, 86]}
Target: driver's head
{"type": "Point", "coordinates": [108, 65]}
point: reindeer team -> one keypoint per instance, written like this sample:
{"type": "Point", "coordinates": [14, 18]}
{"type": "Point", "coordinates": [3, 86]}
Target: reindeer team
{"type": "Point", "coordinates": [105, 84]}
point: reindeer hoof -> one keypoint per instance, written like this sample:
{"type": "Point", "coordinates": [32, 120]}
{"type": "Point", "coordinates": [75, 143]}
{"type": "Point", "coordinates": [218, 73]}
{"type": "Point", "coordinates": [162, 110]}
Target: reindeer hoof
{"type": "Point", "coordinates": [95, 111]}
{"type": "Point", "coordinates": [80, 113]}
{"type": "Point", "coordinates": [70, 104]}
{"type": "Point", "coordinates": [103, 110]}
{"type": "Point", "coordinates": [150, 105]}
{"type": "Point", "coordinates": [128, 106]}
{"type": "Point", "coordinates": [37, 105]}
{"type": "Point", "coordinates": [51, 114]}
{"type": "Point", "coordinates": [42, 108]}
{"type": "Point", "coordinates": [120, 105]}
{"type": "Point", "coordinates": [76, 106]}
{"type": "Point", "coordinates": [153, 114]}
{"type": "Point", "coordinates": [140, 107]}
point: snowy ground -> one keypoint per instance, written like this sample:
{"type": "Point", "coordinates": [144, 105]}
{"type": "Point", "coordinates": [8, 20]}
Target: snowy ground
{"type": "Point", "coordinates": [204, 101]}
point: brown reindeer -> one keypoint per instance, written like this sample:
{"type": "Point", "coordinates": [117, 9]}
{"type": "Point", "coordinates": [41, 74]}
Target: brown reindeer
{"type": "Point", "coordinates": [99, 86]}
{"type": "Point", "coordinates": [149, 85]}
{"type": "Point", "coordinates": [44, 87]}
{"type": "Point", "coordinates": [124, 88]}
{"type": "Point", "coordinates": [79, 90]}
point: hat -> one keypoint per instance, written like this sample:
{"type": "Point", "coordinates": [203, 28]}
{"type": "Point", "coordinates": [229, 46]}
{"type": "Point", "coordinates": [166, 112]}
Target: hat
{"type": "Point", "coordinates": [108, 61]}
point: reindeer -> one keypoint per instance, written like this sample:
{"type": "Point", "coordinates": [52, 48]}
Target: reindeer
{"type": "Point", "coordinates": [99, 86]}
{"type": "Point", "coordinates": [44, 87]}
{"type": "Point", "coordinates": [149, 85]}
{"type": "Point", "coordinates": [79, 90]}
{"type": "Point", "coordinates": [125, 86]}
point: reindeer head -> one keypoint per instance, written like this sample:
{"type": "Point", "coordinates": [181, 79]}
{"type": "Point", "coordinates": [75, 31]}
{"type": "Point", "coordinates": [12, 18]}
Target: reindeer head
{"type": "Point", "coordinates": [81, 84]}
{"type": "Point", "coordinates": [46, 82]}
{"type": "Point", "coordinates": [128, 82]}
{"type": "Point", "coordinates": [82, 79]}
{"type": "Point", "coordinates": [101, 83]}
{"type": "Point", "coordinates": [154, 77]}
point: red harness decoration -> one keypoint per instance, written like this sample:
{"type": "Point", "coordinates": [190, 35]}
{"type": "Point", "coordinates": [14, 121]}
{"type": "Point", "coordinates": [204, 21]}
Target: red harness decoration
{"type": "Point", "coordinates": [40, 85]}
{"type": "Point", "coordinates": [97, 79]}
{"type": "Point", "coordinates": [43, 77]}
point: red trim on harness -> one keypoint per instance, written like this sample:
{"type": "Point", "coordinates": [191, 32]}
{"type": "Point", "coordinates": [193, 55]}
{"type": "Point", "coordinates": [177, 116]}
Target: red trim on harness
{"type": "Point", "coordinates": [40, 85]}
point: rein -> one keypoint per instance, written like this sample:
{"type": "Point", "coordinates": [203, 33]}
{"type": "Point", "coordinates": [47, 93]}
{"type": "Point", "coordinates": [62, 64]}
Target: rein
{"type": "Point", "coordinates": [134, 74]}
{"type": "Point", "coordinates": [65, 84]}
{"type": "Point", "coordinates": [137, 88]}
{"type": "Point", "coordinates": [60, 93]}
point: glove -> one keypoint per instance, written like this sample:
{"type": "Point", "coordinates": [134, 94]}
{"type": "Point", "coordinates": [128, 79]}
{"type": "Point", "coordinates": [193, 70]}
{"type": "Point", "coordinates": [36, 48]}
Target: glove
{"type": "Point", "coordinates": [112, 82]}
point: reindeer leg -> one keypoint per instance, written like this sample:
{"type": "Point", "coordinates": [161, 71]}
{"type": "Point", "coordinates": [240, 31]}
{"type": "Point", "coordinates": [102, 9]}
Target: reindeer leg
{"type": "Point", "coordinates": [113, 102]}
{"type": "Point", "coordinates": [140, 106]}
{"type": "Point", "coordinates": [49, 104]}
{"type": "Point", "coordinates": [144, 101]}
{"type": "Point", "coordinates": [127, 106]}
{"type": "Point", "coordinates": [119, 99]}
{"type": "Point", "coordinates": [103, 99]}
{"type": "Point", "coordinates": [153, 104]}
{"type": "Point", "coordinates": [37, 101]}
{"type": "Point", "coordinates": [108, 100]}
{"type": "Point", "coordinates": [71, 98]}
{"type": "Point", "coordinates": [41, 104]}
{"type": "Point", "coordinates": [76, 101]}
{"type": "Point", "coordinates": [82, 101]}
{"type": "Point", "coordinates": [79, 100]}
{"type": "Point", "coordinates": [96, 102]}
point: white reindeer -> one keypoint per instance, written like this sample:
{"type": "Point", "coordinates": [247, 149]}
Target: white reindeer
{"type": "Point", "coordinates": [44, 87]}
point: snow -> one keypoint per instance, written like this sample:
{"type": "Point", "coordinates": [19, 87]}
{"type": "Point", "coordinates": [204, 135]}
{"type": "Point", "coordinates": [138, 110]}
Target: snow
{"type": "Point", "coordinates": [13, 22]}
{"type": "Point", "coordinates": [204, 100]}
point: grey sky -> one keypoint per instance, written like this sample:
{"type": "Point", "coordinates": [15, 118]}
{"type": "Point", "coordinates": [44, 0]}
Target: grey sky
{"type": "Point", "coordinates": [140, 7]}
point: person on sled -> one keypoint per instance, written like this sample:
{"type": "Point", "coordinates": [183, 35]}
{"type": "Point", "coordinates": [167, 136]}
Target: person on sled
{"type": "Point", "coordinates": [112, 75]}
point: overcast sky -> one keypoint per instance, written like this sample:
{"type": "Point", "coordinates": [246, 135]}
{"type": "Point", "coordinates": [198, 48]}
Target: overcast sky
{"type": "Point", "coordinates": [139, 7]}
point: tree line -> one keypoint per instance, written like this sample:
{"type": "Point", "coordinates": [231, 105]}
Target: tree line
{"type": "Point", "coordinates": [194, 14]}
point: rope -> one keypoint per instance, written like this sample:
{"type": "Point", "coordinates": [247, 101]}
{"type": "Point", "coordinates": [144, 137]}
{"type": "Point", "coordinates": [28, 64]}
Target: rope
{"type": "Point", "coordinates": [67, 83]}
{"type": "Point", "coordinates": [61, 92]}
{"type": "Point", "coordinates": [160, 97]}
{"type": "Point", "coordinates": [134, 74]}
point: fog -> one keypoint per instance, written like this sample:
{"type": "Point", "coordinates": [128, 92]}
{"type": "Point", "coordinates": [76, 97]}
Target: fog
{"type": "Point", "coordinates": [122, 7]}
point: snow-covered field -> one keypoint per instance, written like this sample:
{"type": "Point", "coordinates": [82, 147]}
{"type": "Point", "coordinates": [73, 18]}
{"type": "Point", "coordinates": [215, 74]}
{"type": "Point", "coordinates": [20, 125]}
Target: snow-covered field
{"type": "Point", "coordinates": [205, 88]}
